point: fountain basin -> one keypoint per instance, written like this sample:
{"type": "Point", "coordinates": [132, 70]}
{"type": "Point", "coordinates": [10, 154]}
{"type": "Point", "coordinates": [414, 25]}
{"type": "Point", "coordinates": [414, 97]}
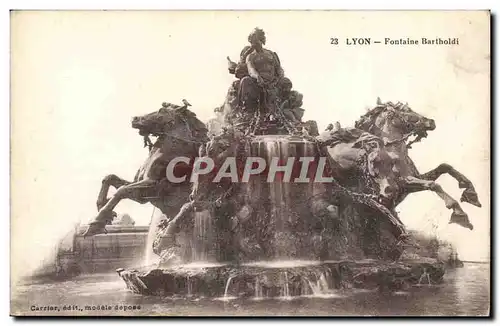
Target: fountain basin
{"type": "Point", "coordinates": [274, 280]}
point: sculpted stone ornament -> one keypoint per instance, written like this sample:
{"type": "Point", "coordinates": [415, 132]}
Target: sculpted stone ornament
{"type": "Point", "coordinates": [265, 101]}
{"type": "Point", "coordinates": [290, 102]}
{"type": "Point", "coordinates": [292, 107]}
{"type": "Point", "coordinates": [264, 73]}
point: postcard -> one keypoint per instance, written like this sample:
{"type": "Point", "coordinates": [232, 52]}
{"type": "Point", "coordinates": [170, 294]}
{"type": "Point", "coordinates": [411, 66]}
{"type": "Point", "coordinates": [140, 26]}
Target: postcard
{"type": "Point", "coordinates": [250, 163]}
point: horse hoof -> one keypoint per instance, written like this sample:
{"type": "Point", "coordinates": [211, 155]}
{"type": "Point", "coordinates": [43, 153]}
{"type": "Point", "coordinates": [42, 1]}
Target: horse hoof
{"type": "Point", "coordinates": [462, 220]}
{"type": "Point", "coordinates": [470, 196]}
{"type": "Point", "coordinates": [105, 217]}
{"type": "Point", "coordinates": [94, 229]}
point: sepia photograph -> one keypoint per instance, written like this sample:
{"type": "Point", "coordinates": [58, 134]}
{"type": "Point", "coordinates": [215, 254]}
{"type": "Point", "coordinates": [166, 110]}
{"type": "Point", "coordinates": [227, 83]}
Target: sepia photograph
{"type": "Point", "coordinates": [250, 163]}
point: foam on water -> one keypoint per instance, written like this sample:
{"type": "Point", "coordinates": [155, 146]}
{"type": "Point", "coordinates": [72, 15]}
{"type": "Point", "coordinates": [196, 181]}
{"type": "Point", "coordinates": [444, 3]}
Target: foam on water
{"type": "Point", "coordinates": [225, 298]}
{"type": "Point", "coordinates": [324, 296]}
{"type": "Point", "coordinates": [283, 263]}
{"type": "Point", "coordinates": [200, 265]}
{"type": "Point", "coordinates": [286, 298]}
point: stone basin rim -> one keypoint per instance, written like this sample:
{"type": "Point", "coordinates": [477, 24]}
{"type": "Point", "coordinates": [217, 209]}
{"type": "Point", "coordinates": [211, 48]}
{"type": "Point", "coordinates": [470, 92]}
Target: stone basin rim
{"type": "Point", "coordinates": [275, 265]}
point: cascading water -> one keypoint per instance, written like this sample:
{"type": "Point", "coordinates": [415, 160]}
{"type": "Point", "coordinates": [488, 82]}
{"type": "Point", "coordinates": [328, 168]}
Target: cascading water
{"type": "Point", "coordinates": [286, 286]}
{"type": "Point", "coordinates": [278, 197]}
{"type": "Point", "coordinates": [283, 202]}
{"type": "Point", "coordinates": [258, 289]}
{"type": "Point", "coordinates": [425, 275]}
{"type": "Point", "coordinates": [202, 237]}
{"type": "Point", "coordinates": [226, 290]}
{"type": "Point", "coordinates": [321, 285]}
{"type": "Point", "coordinates": [189, 286]}
{"type": "Point", "coordinates": [150, 259]}
{"type": "Point", "coordinates": [306, 287]}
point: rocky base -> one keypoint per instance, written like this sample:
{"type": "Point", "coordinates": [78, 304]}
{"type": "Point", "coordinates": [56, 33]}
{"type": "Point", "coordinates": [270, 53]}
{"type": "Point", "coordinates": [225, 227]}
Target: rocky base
{"type": "Point", "coordinates": [282, 278]}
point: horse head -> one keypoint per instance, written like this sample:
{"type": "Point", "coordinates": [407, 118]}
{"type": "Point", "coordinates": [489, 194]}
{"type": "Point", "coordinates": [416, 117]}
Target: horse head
{"type": "Point", "coordinates": [155, 123]}
{"type": "Point", "coordinates": [171, 122]}
{"type": "Point", "coordinates": [378, 168]}
{"type": "Point", "coordinates": [395, 121]}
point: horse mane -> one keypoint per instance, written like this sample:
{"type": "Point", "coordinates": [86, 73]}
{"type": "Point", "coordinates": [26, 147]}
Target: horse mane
{"type": "Point", "coordinates": [197, 127]}
{"type": "Point", "coordinates": [348, 135]}
{"type": "Point", "coordinates": [367, 121]}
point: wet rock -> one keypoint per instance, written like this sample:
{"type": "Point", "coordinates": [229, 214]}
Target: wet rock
{"type": "Point", "coordinates": [275, 280]}
{"type": "Point", "coordinates": [398, 276]}
{"type": "Point", "coordinates": [171, 256]}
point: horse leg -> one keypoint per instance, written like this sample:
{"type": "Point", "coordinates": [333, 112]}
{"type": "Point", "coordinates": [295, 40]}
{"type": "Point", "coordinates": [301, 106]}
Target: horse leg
{"type": "Point", "coordinates": [469, 195]}
{"type": "Point", "coordinates": [106, 214]}
{"type": "Point", "coordinates": [458, 216]}
{"type": "Point", "coordinates": [110, 180]}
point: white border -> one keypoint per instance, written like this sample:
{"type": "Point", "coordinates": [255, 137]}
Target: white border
{"type": "Point", "coordinates": [6, 5]}
{"type": "Point", "coordinates": [252, 4]}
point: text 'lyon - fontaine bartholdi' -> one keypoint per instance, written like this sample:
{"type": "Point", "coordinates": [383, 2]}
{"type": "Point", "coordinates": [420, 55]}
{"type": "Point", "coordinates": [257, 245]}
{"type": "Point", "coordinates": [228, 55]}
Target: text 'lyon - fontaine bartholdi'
{"type": "Point", "coordinates": [421, 41]}
{"type": "Point", "coordinates": [400, 41]}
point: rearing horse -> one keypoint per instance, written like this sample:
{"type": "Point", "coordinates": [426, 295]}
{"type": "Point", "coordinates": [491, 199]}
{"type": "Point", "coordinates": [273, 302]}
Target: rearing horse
{"type": "Point", "coordinates": [395, 123]}
{"type": "Point", "coordinates": [179, 133]}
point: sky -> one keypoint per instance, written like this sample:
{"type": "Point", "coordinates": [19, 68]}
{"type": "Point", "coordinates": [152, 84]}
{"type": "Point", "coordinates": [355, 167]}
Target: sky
{"type": "Point", "coordinates": [77, 79]}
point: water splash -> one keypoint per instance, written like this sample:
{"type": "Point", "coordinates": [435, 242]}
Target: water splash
{"type": "Point", "coordinates": [319, 286]}
{"type": "Point", "coordinates": [314, 287]}
{"type": "Point", "coordinates": [426, 275]}
{"type": "Point", "coordinates": [323, 282]}
{"type": "Point", "coordinates": [150, 259]}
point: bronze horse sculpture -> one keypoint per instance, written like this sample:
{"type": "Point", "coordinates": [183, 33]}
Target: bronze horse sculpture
{"type": "Point", "coordinates": [361, 162]}
{"type": "Point", "coordinates": [364, 171]}
{"type": "Point", "coordinates": [395, 123]}
{"type": "Point", "coordinates": [179, 133]}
